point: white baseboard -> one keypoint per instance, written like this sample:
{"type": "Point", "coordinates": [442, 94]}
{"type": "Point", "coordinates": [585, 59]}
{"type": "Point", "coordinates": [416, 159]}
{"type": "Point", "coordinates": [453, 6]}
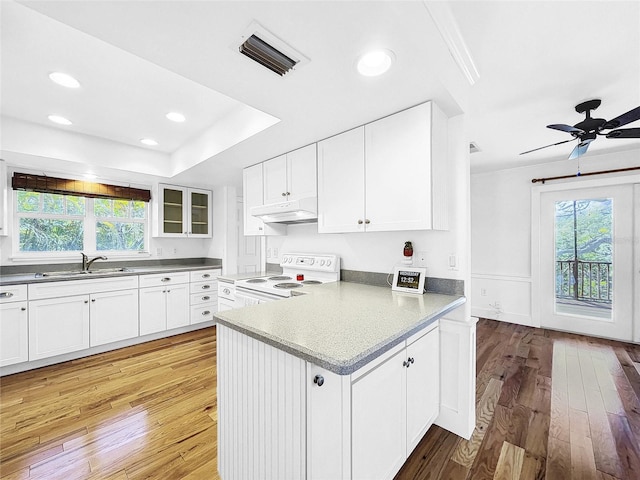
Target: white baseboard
{"type": "Point", "coordinates": [491, 314]}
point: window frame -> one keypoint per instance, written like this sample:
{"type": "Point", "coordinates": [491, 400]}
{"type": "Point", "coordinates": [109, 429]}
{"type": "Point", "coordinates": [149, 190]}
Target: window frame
{"type": "Point", "coordinates": [89, 220]}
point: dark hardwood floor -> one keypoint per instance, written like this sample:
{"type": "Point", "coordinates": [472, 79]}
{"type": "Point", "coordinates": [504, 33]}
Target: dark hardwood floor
{"type": "Point", "coordinates": [549, 405]}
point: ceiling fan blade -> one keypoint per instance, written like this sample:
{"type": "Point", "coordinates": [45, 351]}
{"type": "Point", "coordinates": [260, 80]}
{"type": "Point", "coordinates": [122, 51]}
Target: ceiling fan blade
{"type": "Point", "coordinates": [624, 133]}
{"type": "Point", "coordinates": [565, 128]}
{"type": "Point", "coordinates": [552, 145]}
{"type": "Point", "coordinates": [579, 150]}
{"type": "Point", "coordinates": [630, 116]}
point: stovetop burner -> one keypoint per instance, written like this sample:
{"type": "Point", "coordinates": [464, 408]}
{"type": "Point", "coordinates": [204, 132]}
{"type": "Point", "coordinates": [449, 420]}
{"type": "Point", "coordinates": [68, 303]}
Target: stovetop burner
{"type": "Point", "coordinates": [280, 277]}
{"type": "Point", "coordinates": [311, 282]}
{"type": "Point", "coordinates": [256, 280]}
{"type": "Point", "coordinates": [287, 285]}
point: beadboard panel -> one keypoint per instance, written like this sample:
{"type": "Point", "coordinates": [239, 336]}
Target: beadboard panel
{"type": "Point", "coordinates": [261, 414]}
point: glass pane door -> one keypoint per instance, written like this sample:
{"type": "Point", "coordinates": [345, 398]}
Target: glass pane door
{"type": "Point", "coordinates": [172, 210]}
{"type": "Point", "coordinates": [584, 252]}
{"type": "Point", "coordinates": [199, 213]}
{"type": "Point", "coordinates": [586, 261]}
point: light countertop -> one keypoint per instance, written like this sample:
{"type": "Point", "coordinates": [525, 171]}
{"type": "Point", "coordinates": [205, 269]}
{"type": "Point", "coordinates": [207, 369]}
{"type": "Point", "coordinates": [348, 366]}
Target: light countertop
{"type": "Point", "coordinates": [340, 326]}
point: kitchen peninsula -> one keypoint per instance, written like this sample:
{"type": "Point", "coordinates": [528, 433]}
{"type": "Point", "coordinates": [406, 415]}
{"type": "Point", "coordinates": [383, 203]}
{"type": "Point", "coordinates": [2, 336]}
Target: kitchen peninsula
{"type": "Point", "coordinates": [340, 382]}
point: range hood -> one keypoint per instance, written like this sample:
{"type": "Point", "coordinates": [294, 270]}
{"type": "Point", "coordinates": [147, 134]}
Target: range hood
{"type": "Point", "coordinates": [303, 210]}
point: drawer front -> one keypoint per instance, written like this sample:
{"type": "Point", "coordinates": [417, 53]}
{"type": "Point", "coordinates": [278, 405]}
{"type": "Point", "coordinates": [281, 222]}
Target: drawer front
{"type": "Point", "coordinates": [202, 313]}
{"type": "Point", "coordinates": [160, 279]}
{"type": "Point", "coordinates": [13, 293]}
{"type": "Point", "coordinates": [202, 298]}
{"type": "Point", "coordinates": [205, 275]}
{"type": "Point", "coordinates": [226, 290]}
{"type": "Point", "coordinates": [204, 287]}
{"type": "Point", "coordinates": [39, 291]}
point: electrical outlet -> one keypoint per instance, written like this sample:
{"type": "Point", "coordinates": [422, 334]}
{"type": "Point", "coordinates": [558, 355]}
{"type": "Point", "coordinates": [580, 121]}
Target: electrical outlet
{"type": "Point", "coordinates": [159, 251]}
{"type": "Point", "coordinates": [175, 250]}
{"type": "Point", "coordinates": [268, 252]}
{"type": "Point", "coordinates": [275, 252]}
{"type": "Point", "coordinates": [483, 292]}
{"type": "Point", "coordinates": [453, 262]}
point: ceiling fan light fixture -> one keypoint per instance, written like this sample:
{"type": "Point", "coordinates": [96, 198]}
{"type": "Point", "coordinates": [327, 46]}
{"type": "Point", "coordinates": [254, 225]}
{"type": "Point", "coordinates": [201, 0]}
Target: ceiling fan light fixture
{"type": "Point", "coordinates": [59, 120]}
{"type": "Point", "coordinates": [375, 62]}
{"type": "Point", "coordinates": [64, 80]}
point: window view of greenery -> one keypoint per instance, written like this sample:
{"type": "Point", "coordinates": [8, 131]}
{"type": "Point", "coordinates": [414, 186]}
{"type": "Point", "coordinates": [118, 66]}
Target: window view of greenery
{"type": "Point", "coordinates": [60, 228]}
{"type": "Point", "coordinates": [584, 249]}
{"type": "Point", "coordinates": [53, 223]}
{"type": "Point", "coordinates": [118, 225]}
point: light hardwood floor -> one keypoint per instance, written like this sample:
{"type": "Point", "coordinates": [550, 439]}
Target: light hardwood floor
{"type": "Point", "coordinates": [549, 405]}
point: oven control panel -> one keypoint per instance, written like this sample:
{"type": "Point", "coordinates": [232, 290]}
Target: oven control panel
{"type": "Point", "coordinates": [316, 262]}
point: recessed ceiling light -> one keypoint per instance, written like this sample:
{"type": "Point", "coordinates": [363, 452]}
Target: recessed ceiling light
{"type": "Point", "coordinates": [90, 176]}
{"type": "Point", "coordinates": [64, 80]}
{"type": "Point", "coordinates": [176, 117]}
{"type": "Point", "coordinates": [59, 120]}
{"type": "Point", "coordinates": [149, 141]}
{"type": "Point", "coordinates": [375, 62]}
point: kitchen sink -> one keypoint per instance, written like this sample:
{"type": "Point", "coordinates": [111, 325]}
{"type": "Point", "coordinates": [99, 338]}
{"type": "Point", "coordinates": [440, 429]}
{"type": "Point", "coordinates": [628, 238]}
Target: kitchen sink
{"type": "Point", "coordinates": [79, 273]}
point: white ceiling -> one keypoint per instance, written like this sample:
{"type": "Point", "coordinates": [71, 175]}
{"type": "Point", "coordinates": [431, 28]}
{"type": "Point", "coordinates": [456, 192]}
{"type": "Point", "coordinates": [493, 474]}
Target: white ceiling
{"type": "Point", "coordinates": [137, 60]}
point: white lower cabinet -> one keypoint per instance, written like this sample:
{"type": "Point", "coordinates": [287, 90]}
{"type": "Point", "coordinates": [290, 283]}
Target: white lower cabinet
{"type": "Point", "coordinates": [113, 316]}
{"type": "Point", "coordinates": [58, 325]}
{"type": "Point", "coordinates": [163, 308]}
{"type": "Point", "coordinates": [14, 340]}
{"type": "Point", "coordinates": [204, 295]}
{"type": "Point", "coordinates": [380, 415]}
{"type": "Point", "coordinates": [358, 426]}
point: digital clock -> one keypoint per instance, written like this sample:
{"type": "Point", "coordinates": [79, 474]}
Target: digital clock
{"type": "Point", "coordinates": [409, 279]}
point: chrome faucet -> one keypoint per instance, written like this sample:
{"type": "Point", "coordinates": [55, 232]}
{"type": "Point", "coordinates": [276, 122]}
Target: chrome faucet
{"type": "Point", "coordinates": [86, 263]}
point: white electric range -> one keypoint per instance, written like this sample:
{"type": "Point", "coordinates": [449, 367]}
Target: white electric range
{"type": "Point", "coordinates": [298, 270]}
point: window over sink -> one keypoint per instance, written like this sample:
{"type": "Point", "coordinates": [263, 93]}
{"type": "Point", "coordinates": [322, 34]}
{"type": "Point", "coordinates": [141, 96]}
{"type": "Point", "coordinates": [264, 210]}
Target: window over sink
{"type": "Point", "coordinates": [50, 224]}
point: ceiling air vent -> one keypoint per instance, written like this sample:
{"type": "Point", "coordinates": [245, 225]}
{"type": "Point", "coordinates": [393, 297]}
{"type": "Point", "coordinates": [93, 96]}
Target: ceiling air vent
{"type": "Point", "coordinates": [261, 46]}
{"type": "Point", "coordinates": [266, 55]}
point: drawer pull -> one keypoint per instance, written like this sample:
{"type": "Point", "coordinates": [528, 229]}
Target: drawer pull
{"type": "Point", "coordinates": [6, 295]}
{"type": "Point", "coordinates": [205, 313]}
{"type": "Point", "coordinates": [206, 287]}
{"type": "Point", "coordinates": [206, 297]}
{"type": "Point", "coordinates": [24, 309]}
{"type": "Point", "coordinates": [226, 291]}
{"type": "Point", "coordinates": [166, 279]}
{"type": "Point", "coordinates": [206, 275]}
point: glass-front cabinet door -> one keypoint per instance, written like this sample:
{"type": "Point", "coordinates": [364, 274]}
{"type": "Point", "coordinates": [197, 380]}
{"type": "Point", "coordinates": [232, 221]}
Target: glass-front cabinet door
{"type": "Point", "coordinates": [183, 212]}
{"type": "Point", "coordinates": [173, 203]}
{"type": "Point", "coordinates": [200, 209]}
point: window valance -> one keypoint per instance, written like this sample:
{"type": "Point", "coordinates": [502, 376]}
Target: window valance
{"type": "Point", "coordinates": [64, 186]}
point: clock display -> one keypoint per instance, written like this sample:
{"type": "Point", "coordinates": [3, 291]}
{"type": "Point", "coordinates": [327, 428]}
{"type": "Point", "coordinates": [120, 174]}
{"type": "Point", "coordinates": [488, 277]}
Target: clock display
{"type": "Point", "coordinates": [409, 280]}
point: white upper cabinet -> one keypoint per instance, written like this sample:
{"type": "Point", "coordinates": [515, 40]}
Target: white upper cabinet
{"type": "Point", "coordinates": [396, 166]}
{"type": "Point", "coordinates": [183, 212]}
{"type": "Point", "coordinates": [290, 176]}
{"type": "Point", "coordinates": [3, 198]}
{"type": "Point", "coordinates": [252, 193]}
{"type": "Point", "coordinates": [341, 183]}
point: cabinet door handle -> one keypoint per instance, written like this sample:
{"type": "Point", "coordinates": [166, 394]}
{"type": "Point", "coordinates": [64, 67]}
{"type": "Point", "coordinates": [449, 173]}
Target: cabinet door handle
{"type": "Point", "coordinates": [93, 300]}
{"type": "Point", "coordinates": [24, 309]}
{"type": "Point", "coordinates": [166, 279]}
{"type": "Point", "coordinates": [6, 295]}
{"type": "Point", "coordinates": [206, 287]}
{"type": "Point", "coordinates": [407, 363]}
{"type": "Point", "coordinates": [206, 275]}
{"type": "Point", "coordinates": [367, 221]}
{"type": "Point", "coordinates": [360, 222]}
{"type": "Point", "coordinates": [86, 301]}
{"type": "Point", "coordinates": [288, 193]}
{"type": "Point", "coordinates": [205, 313]}
{"type": "Point", "coordinates": [205, 298]}
{"type": "Point", "coordinates": [284, 194]}
{"type": "Point", "coordinates": [318, 380]}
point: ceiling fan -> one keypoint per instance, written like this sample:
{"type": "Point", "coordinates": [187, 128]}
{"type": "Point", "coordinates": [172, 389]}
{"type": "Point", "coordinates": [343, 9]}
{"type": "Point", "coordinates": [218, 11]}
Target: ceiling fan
{"type": "Point", "coordinates": [587, 130]}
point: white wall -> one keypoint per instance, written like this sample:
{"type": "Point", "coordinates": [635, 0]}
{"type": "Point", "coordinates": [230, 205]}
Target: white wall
{"type": "Point", "coordinates": [501, 233]}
